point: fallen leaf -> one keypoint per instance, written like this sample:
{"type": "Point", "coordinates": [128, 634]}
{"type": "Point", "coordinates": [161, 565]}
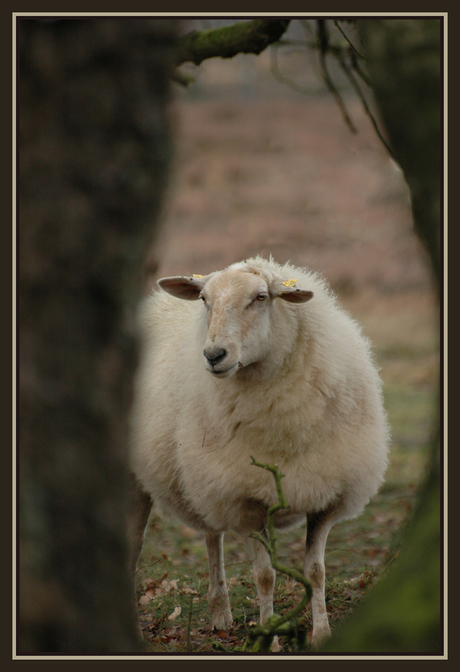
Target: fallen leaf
{"type": "Point", "coordinates": [166, 586]}
{"type": "Point", "coordinates": [144, 599]}
{"type": "Point", "coordinates": [175, 614]}
{"type": "Point", "coordinates": [189, 591]}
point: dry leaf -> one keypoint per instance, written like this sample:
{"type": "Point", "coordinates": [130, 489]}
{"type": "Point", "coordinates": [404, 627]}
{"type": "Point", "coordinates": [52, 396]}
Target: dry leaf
{"type": "Point", "coordinates": [144, 599]}
{"type": "Point", "coordinates": [174, 614]}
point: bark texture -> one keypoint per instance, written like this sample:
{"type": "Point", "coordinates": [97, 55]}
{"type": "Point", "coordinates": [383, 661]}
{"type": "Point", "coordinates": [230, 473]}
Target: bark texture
{"type": "Point", "coordinates": [403, 613]}
{"type": "Point", "coordinates": [94, 151]}
{"type": "Point", "coordinates": [405, 66]}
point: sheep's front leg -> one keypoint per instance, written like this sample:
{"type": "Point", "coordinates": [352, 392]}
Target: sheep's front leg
{"type": "Point", "coordinates": [318, 526]}
{"type": "Point", "coordinates": [264, 578]}
{"type": "Point", "coordinates": [219, 604]}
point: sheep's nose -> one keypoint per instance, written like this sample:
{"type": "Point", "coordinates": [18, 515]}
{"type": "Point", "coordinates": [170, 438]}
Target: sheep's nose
{"type": "Point", "coordinates": [214, 357]}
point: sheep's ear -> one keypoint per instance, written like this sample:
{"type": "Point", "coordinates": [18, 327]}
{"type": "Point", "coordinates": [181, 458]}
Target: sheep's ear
{"type": "Point", "coordinates": [184, 286]}
{"type": "Point", "coordinates": [289, 292]}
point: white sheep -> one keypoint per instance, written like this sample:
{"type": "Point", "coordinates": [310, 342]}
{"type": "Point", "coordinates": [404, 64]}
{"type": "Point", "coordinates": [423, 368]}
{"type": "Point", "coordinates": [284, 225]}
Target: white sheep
{"type": "Point", "coordinates": [266, 364]}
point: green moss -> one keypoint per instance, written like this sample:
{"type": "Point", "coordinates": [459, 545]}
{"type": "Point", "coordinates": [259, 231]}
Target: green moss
{"type": "Point", "coordinates": [249, 37]}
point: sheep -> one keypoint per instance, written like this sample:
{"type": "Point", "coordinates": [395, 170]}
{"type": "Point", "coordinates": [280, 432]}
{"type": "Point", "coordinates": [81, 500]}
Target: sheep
{"type": "Point", "coordinates": [257, 360]}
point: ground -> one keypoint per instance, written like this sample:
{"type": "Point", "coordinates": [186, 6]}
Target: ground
{"type": "Point", "coordinates": [260, 169]}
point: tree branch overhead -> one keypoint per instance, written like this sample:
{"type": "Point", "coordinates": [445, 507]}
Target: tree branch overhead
{"type": "Point", "coordinates": [250, 37]}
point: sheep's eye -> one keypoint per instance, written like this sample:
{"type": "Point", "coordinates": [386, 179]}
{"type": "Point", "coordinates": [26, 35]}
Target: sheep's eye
{"type": "Point", "coordinates": [258, 298]}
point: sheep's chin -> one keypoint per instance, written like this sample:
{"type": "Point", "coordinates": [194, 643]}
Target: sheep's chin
{"type": "Point", "coordinates": [227, 372]}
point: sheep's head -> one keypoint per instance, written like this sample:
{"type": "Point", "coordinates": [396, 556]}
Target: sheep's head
{"type": "Point", "coordinates": [239, 302]}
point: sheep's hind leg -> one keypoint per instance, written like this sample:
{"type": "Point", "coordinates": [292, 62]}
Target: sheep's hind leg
{"type": "Point", "coordinates": [264, 577]}
{"type": "Point", "coordinates": [219, 604]}
{"type": "Point", "coordinates": [318, 527]}
{"type": "Point", "coordinates": [140, 505]}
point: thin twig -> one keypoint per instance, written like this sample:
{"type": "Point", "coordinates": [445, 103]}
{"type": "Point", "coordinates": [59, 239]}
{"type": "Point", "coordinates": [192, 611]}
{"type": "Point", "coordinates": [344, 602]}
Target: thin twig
{"type": "Point", "coordinates": [340, 29]}
{"type": "Point", "coordinates": [366, 107]}
{"type": "Point", "coordinates": [149, 564]}
{"type": "Point", "coordinates": [356, 66]}
{"type": "Point", "coordinates": [324, 48]}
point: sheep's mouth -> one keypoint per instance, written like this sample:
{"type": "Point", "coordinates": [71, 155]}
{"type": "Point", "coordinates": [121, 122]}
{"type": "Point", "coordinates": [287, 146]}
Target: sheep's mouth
{"type": "Point", "coordinates": [223, 373]}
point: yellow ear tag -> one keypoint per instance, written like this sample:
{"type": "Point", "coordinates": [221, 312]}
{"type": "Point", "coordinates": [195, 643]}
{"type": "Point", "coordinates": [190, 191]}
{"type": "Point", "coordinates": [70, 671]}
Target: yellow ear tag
{"type": "Point", "coordinates": [289, 283]}
{"type": "Point", "coordinates": [198, 277]}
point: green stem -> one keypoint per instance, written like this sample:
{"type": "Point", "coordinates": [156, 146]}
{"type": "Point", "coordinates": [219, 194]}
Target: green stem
{"type": "Point", "coordinates": [262, 636]}
{"type": "Point", "coordinates": [189, 622]}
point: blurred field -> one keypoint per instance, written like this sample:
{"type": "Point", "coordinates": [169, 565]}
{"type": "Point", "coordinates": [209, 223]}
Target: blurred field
{"type": "Point", "coordinates": [261, 169]}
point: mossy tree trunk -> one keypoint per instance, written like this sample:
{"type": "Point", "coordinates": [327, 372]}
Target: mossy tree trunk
{"type": "Point", "coordinates": [94, 150]}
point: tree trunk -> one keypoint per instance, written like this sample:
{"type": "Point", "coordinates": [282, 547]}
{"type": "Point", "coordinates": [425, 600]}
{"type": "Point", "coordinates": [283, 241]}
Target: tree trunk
{"type": "Point", "coordinates": [404, 63]}
{"type": "Point", "coordinates": [403, 612]}
{"type": "Point", "coordinates": [94, 150]}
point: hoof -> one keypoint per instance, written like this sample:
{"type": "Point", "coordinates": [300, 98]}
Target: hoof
{"type": "Point", "coordinates": [221, 615]}
{"type": "Point", "coordinates": [318, 637]}
{"type": "Point", "coordinates": [222, 621]}
{"type": "Point", "coordinates": [275, 644]}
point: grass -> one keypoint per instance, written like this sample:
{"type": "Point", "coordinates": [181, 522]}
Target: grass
{"type": "Point", "coordinates": [174, 579]}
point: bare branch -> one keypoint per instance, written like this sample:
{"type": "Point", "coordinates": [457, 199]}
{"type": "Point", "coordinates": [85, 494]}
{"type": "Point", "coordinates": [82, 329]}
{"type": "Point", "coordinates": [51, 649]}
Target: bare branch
{"type": "Point", "coordinates": [366, 107]}
{"type": "Point", "coordinates": [352, 46]}
{"type": "Point", "coordinates": [324, 48]}
{"type": "Point", "coordinates": [253, 37]}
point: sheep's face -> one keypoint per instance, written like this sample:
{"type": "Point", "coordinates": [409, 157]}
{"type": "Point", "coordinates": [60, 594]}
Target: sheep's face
{"type": "Point", "coordinates": [239, 305]}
